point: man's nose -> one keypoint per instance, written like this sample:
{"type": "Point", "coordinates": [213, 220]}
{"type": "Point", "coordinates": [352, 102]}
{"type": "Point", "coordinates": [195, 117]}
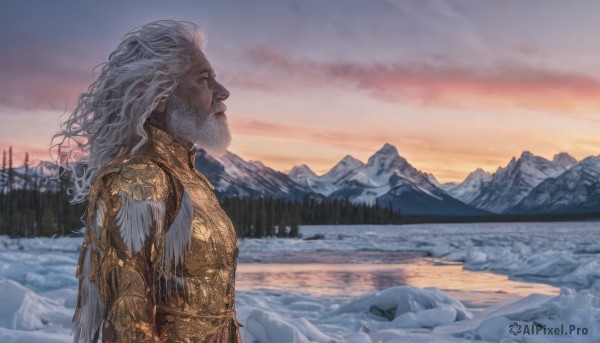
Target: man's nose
{"type": "Point", "coordinates": [221, 93]}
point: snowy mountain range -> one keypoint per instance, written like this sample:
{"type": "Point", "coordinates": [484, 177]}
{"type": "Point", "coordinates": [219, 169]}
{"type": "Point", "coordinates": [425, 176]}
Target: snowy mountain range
{"type": "Point", "coordinates": [528, 184]}
{"type": "Point", "coordinates": [233, 176]}
{"type": "Point", "coordinates": [576, 190]}
{"type": "Point", "coordinates": [469, 189]}
{"type": "Point", "coordinates": [387, 178]}
{"type": "Point", "coordinates": [505, 188]}
{"type": "Point", "coordinates": [329, 182]}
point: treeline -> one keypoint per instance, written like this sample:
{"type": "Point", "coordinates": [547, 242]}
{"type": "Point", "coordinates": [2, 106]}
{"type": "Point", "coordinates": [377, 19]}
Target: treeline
{"type": "Point", "coordinates": [30, 208]}
{"type": "Point", "coordinates": [260, 217]}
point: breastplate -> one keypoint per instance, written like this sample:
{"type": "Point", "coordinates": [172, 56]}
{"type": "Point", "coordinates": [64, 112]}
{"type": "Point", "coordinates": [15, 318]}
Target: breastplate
{"type": "Point", "coordinates": [204, 285]}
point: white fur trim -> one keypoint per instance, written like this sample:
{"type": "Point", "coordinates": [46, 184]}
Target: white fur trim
{"type": "Point", "coordinates": [90, 315]}
{"type": "Point", "coordinates": [179, 237]}
{"type": "Point", "coordinates": [136, 219]}
{"type": "Point", "coordinates": [99, 218]}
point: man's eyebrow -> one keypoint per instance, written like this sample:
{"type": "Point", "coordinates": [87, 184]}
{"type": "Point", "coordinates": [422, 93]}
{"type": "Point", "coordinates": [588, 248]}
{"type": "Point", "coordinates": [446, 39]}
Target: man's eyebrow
{"type": "Point", "coordinates": [206, 70]}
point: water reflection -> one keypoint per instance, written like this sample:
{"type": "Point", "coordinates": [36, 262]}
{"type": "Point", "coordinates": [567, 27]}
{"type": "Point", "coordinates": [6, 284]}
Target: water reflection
{"type": "Point", "coordinates": [322, 279]}
{"type": "Point", "coordinates": [475, 289]}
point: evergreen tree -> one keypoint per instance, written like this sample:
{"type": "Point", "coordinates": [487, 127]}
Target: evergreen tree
{"type": "Point", "coordinates": [26, 201]}
{"type": "Point", "coordinates": [3, 178]}
{"type": "Point", "coordinates": [9, 212]}
{"type": "Point", "coordinates": [3, 201]}
{"type": "Point", "coordinates": [270, 217]}
{"type": "Point", "coordinates": [261, 218]}
{"type": "Point", "coordinates": [295, 221]}
{"type": "Point", "coordinates": [26, 174]}
{"type": "Point", "coordinates": [281, 229]}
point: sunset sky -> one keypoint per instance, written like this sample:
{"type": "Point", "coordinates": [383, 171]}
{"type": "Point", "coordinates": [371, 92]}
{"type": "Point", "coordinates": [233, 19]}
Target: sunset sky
{"type": "Point", "coordinates": [454, 85]}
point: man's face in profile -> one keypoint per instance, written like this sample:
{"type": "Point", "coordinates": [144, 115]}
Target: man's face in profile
{"type": "Point", "coordinates": [195, 112]}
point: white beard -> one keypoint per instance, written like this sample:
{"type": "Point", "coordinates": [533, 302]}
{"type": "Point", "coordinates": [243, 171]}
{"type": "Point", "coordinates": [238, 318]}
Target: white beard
{"type": "Point", "coordinates": [207, 131]}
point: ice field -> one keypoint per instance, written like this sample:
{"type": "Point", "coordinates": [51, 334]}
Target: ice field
{"type": "Point", "coordinates": [412, 283]}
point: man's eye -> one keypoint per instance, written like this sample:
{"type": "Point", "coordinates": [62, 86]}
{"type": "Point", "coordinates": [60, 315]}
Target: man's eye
{"type": "Point", "coordinates": [202, 79]}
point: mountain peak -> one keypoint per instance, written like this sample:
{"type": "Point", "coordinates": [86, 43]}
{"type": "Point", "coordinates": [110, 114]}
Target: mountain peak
{"type": "Point", "coordinates": [387, 149]}
{"type": "Point", "coordinates": [525, 159]}
{"type": "Point", "coordinates": [480, 172]}
{"type": "Point", "coordinates": [345, 165]}
{"type": "Point", "coordinates": [478, 175]}
{"type": "Point", "coordinates": [348, 162]}
{"type": "Point", "coordinates": [351, 160]}
{"type": "Point", "coordinates": [526, 154]}
{"type": "Point", "coordinates": [301, 171]}
{"type": "Point", "coordinates": [563, 159]}
{"type": "Point", "coordinates": [511, 164]}
{"type": "Point", "coordinates": [302, 167]}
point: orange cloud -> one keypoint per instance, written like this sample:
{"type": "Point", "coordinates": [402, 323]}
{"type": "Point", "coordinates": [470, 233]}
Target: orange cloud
{"type": "Point", "coordinates": [450, 154]}
{"type": "Point", "coordinates": [244, 125]}
{"type": "Point", "coordinates": [449, 159]}
{"type": "Point", "coordinates": [498, 87]}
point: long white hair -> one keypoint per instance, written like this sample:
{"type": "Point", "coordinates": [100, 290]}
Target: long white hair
{"type": "Point", "coordinates": [108, 121]}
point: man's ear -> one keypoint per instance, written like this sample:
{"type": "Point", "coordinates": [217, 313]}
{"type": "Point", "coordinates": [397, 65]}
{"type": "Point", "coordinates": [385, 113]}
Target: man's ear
{"type": "Point", "coordinates": [157, 117]}
{"type": "Point", "coordinates": [161, 106]}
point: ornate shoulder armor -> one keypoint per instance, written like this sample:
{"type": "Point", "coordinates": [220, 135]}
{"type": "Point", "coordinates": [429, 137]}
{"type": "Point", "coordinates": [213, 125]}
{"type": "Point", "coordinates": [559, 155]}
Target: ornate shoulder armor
{"type": "Point", "coordinates": [142, 190]}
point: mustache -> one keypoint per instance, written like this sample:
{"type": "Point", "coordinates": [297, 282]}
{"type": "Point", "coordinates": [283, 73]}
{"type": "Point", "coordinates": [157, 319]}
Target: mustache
{"type": "Point", "coordinates": [218, 107]}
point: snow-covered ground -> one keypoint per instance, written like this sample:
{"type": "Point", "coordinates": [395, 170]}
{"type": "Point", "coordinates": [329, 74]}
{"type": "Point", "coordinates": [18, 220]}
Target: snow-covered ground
{"type": "Point", "coordinates": [38, 287]}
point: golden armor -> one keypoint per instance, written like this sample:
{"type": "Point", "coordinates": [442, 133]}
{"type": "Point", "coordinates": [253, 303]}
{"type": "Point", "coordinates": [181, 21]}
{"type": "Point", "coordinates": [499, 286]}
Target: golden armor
{"type": "Point", "coordinates": [159, 256]}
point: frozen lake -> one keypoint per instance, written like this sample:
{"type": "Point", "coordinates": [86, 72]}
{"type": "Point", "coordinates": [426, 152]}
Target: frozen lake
{"type": "Point", "coordinates": [413, 283]}
{"type": "Point", "coordinates": [476, 290]}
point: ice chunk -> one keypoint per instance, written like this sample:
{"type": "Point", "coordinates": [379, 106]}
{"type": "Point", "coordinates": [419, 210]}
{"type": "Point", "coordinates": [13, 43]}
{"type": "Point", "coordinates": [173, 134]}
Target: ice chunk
{"type": "Point", "coordinates": [408, 306]}
{"type": "Point", "coordinates": [358, 337]}
{"type": "Point", "coordinates": [15, 336]}
{"type": "Point", "coordinates": [584, 275]}
{"type": "Point", "coordinates": [23, 309]}
{"type": "Point", "coordinates": [581, 309]}
{"type": "Point", "coordinates": [267, 326]}
{"type": "Point", "coordinates": [426, 318]}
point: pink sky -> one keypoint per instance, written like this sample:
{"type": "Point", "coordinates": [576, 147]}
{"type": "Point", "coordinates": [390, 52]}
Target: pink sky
{"type": "Point", "coordinates": [453, 85]}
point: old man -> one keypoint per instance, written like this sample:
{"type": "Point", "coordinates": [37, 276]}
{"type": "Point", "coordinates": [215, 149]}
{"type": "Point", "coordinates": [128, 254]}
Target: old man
{"type": "Point", "coordinates": [158, 259]}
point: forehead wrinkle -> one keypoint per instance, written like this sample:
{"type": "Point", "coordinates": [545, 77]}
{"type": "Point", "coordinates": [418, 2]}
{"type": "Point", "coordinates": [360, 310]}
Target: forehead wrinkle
{"type": "Point", "coordinates": [202, 66]}
{"type": "Point", "coordinates": [199, 64]}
